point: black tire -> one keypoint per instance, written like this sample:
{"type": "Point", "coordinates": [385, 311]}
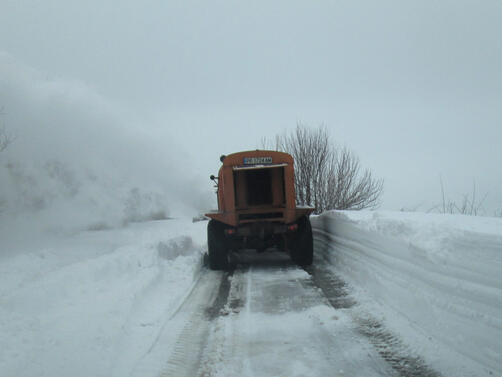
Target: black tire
{"type": "Point", "coordinates": [301, 244]}
{"type": "Point", "coordinates": [217, 246]}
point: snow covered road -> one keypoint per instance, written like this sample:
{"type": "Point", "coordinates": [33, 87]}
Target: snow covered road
{"type": "Point", "coordinates": [389, 294]}
{"type": "Point", "coordinates": [268, 319]}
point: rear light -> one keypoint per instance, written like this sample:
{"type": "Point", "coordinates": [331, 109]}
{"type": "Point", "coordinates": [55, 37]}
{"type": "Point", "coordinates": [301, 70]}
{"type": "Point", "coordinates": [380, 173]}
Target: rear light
{"type": "Point", "coordinates": [293, 227]}
{"type": "Point", "coordinates": [230, 231]}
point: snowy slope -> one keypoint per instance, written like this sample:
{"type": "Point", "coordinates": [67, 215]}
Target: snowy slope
{"type": "Point", "coordinates": [434, 280]}
{"type": "Point", "coordinates": [92, 304]}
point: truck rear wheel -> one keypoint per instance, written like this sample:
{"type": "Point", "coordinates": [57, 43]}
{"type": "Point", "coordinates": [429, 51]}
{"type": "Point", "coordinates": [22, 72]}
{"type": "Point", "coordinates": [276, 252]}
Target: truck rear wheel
{"type": "Point", "coordinates": [217, 245]}
{"type": "Point", "coordinates": [301, 244]}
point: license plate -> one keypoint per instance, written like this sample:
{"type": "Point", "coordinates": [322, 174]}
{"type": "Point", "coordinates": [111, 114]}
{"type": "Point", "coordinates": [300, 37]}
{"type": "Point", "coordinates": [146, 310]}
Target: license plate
{"type": "Point", "coordinates": [257, 160]}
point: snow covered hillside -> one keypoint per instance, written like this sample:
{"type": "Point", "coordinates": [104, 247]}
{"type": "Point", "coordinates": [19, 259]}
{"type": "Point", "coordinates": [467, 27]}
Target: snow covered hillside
{"type": "Point", "coordinates": [390, 294]}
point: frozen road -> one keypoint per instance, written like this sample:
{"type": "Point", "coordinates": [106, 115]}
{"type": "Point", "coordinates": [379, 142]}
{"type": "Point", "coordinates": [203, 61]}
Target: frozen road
{"type": "Point", "coordinates": [268, 317]}
{"type": "Point", "coordinates": [389, 294]}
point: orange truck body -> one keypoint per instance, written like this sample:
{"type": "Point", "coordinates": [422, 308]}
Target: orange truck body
{"type": "Point", "coordinates": [257, 186]}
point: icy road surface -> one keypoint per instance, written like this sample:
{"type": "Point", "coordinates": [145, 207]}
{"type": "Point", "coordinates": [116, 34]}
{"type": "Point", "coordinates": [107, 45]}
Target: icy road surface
{"type": "Point", "coordinates": [267, 319]}
{"type": "Point", "coordinates": [390, 294]}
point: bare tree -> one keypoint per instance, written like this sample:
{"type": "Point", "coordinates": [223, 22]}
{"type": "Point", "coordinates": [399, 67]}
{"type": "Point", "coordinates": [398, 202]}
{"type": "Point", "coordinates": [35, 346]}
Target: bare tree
{"type": "Point", "coordinates": [5, 138]}
{"type": "Point", "coordinates": [469, 205]}
{"type": "Point", "coordinates": [326, 176]}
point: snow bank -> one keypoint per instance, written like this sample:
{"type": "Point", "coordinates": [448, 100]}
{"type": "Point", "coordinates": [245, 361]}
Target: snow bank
{"type": "Point", "coordinates": [432, 279]}
{"type": "Point", "coordinates": [93, 303]}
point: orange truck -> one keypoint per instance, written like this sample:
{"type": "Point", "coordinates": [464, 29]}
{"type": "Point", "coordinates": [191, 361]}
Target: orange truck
{"type": "Point", "coordinates": [257, 209]}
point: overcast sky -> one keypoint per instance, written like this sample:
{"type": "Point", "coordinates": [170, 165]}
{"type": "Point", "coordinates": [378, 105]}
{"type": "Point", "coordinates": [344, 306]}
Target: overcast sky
{"type": "Point", "coordinates": [413, 87]}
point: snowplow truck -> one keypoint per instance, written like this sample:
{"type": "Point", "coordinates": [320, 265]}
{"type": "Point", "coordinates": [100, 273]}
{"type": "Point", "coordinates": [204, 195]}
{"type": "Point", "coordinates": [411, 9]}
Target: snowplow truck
{"type": "Point", "coordinates": [257, 209]}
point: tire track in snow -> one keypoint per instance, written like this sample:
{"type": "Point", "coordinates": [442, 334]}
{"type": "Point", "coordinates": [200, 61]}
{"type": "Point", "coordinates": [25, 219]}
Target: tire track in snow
{"type": "Point", "coordinates": [222, 346]}
{"type": "Point", "coordinates": [201, 308]}
{"type": "Point", "coordinates": [275, 313]}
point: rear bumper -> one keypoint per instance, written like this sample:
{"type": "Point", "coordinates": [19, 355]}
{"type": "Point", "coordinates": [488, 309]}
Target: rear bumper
{"type": "Point", "coordinates": [259, 235]}
{"type": "Point", "coordinates": [241, 217]}
{"type": "Point", "coordinates": [257, 229]}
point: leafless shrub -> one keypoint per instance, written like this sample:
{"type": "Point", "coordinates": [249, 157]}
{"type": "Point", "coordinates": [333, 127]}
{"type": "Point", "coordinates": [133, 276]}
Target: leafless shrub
{"type": "Point", "coordinates": [5, 140]}
{"type": "Point", "coordinates": [468, 205]}
{"type": "Point", "coordinates": [326, 176]}
{"type": "Point", "coordinates": [5, 137]}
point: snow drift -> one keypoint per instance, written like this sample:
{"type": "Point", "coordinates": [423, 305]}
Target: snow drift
{"type": "Point", "coordinates": [92, 304]}
{"type": "Point", "coordinates": [432, 279]}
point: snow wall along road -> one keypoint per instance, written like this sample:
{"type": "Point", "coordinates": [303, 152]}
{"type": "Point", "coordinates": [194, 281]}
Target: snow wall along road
{"type": "Point", "coordinates": [432, 280]}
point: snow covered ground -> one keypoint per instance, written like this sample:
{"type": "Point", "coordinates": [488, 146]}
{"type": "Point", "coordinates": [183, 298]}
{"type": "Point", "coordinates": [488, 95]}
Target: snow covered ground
{"type": "Point", "coordinates": [434, 280]}
{"type": "Point", "coordinates": [92, 303]}
{"type": "Point", "coordinates": [137, 301]}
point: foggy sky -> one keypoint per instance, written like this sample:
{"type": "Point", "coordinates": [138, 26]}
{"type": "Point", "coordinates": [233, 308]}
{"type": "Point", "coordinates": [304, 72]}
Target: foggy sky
{"type": "Point", "coordinates": [414, 88]}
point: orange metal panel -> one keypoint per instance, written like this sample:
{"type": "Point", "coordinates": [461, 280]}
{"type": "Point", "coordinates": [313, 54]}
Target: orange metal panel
{"type": "Point", "coordinates": [283, 197]}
